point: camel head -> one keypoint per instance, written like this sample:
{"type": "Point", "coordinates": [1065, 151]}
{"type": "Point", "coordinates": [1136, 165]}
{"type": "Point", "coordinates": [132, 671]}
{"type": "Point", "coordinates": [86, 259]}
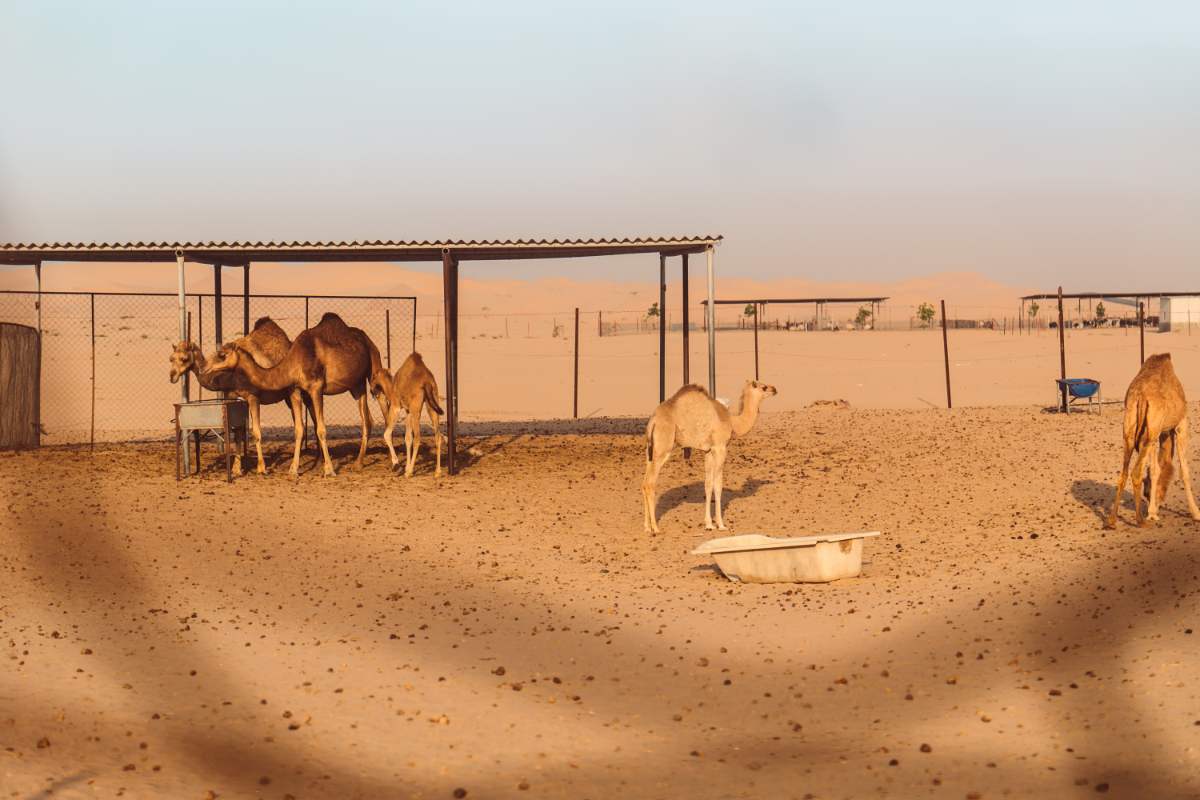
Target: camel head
{"type": "Point", "coordinates": [225, 359]}
{"type": "Point", "coordinates": [183, 358]}
{"type": "Point", "coordinates": [758, 390]}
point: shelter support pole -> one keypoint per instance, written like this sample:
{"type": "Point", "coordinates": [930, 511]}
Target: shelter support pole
{"type": "Point", "coordinates": [662, 327]}
{"type": "Point", "coordinates": [684, 300]}
{"type": "Point", "coordinates": [183, 331]}
{"type": "Point", "coordinates": [757, 310]}
{"type": "Point", "coordinates": [37, 276]}
{"type": "Point", "coordinates": [450, 305]}
{"type": "Point", "coordinates": [92, 436]}
{"type": "Point", "coordinates": [387, 328]}
{"type": "Point", "coordinates": [946, 354]}
{"type": "Point", "coordinates": [1141, 331]}
{"type": "Point", "coordinates": [246, 299]}
{"type": "Point", "coordinates": [712, 324]}
{"type": "Point", "coordinates": [217, 332]}
{"type": "Point", "coordinates": [37, 405]}
{"type": "Point", "coordinates": [1062, 351]}
{"type": "Point", "coordinates": [575, 396]}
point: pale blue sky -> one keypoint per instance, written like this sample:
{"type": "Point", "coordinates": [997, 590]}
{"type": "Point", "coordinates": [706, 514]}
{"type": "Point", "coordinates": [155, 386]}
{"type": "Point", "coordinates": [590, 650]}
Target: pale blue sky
{"type": "Point", "coordinates": [1037, 142]}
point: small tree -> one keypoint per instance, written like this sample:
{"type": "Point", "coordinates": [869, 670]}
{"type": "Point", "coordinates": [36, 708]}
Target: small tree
{"type": "Point", "coordinates": [1033, 309]}
{"type": "Point", "coordinates": [750, 310]}
{"type": "Point", "coordinates": [653, 310]}
{"type": "Point", "coordinates": [925, 313]}
{"type": "Point", "coordinates": [862, 317]}
{"type": "Point", "coordinates": [1100, 312]}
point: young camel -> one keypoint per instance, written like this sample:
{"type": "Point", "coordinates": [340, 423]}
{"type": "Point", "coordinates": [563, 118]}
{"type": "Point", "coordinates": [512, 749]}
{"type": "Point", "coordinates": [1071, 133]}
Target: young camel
{"type": "Point", "coordinates": [413, 387]}
{"type": "Point", "coordinates": [327, 359]}
{"type": "Point", "coordinates": [691, 418]}
{"type": "Point", "coordinates": [1155, 416]}
{"type": "Point", "coordinates": [270, 345]}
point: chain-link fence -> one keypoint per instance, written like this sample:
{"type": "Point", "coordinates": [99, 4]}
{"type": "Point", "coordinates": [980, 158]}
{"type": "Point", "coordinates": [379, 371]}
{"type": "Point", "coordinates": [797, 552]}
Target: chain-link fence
{"type": "Point", "coordinates": [105, 356]}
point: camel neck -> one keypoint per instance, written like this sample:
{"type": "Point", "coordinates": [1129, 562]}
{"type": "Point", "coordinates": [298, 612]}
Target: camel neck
{"type": "Point", "coordinates": [743, 421]}
{"type": "Point", "coordinates": [272, 378]}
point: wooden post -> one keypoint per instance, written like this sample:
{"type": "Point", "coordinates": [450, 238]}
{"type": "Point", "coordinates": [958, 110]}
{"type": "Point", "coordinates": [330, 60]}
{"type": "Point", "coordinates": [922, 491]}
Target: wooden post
{"type": "Point", "coordinates": [246, 299]}
{"type": "Point", "coordinates": [946, 354]}
{"type": "Point", "coordinates": [1142, 331]}
{"type": "Point", "coordinates": [1062, 350]}
{"type": "Point", "coordinates": [575, 403]}
{"type": "Point", "coordinates": [92, 436]}
{"type": "Point", "coordinates": [684, 301]}
{"type": "Point", "coordinates": [757, 310]}
{"type": "Point", "coordinates": [450, 303]}
{"type": "Point", "coordinates": [387, 327]}
{"type": "Point", "coordinates": [662, 327]}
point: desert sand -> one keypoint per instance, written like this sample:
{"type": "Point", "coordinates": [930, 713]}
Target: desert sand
{"type": "Point", "coordinates": [512, 632]}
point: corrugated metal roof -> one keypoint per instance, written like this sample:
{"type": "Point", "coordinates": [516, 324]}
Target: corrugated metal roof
{"type": "Point", "coordinates": [378, 249]}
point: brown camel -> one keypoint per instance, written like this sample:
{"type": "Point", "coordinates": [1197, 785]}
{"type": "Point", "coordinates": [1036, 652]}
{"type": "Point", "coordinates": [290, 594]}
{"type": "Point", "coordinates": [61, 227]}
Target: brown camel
{"type": "Point", "coordinates": [693, 419]}
{"type": "Point", "coordinates": [270, 344]}
{"type": "Point", "coordinates": [413, 387]}
{"type": "Point", "coordinates": [1155, 416]}
{"type": "Point", "coordinates": [327, 359]}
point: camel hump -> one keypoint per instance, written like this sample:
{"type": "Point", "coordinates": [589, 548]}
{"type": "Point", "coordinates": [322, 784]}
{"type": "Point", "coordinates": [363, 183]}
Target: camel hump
{"type": "Point", "coordinates": [330, 318]}
{"type": "Point", "coordinates": [265, 322]}
{"type": "Point", "coordinates": [689, 389]}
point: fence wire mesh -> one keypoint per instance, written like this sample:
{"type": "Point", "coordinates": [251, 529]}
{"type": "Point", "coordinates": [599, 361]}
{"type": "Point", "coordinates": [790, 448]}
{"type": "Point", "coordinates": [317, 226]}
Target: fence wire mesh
{"type": "Point", "coordinates": [105, 356]}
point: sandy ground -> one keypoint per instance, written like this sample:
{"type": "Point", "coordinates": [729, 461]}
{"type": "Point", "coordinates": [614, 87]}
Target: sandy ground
{"type": "Point", "coordinates": [512, 632]}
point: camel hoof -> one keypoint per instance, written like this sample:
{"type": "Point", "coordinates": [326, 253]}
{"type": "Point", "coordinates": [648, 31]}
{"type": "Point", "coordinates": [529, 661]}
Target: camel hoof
{"type": "Point", "coordinates": [708, 526]}
{"type": "Point", "coordinates": [722, 528]}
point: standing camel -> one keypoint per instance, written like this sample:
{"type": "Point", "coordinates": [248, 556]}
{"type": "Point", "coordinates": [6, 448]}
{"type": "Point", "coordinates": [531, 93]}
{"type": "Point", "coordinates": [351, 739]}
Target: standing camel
{"type": "Point", "coordinates": [413, 387]}
{"type": "Point", "coordinates": [270, 344]}
{"type": "Point", "coordinates": [692, 418]}
{"type": "Point", "coordinates": [1155, 416]}
{"type": "Point", "coordinates": [327, 359]}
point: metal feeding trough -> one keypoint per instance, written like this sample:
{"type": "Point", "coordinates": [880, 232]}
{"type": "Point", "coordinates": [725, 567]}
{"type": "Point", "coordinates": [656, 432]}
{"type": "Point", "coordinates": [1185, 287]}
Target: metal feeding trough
{"type": "Point", "coordinates": [226, 417]}
{"type": "Point", "coordinates": [754, 558]}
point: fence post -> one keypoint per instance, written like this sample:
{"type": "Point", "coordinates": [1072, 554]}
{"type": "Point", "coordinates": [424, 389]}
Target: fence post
{"type": "Point", "coordinates": [756, 310]}
{"type": "Point", "coordinates": [92, 436]}
{"type": "Point", "coordinates": [414, 327]}
{"type": "Point", "coordinates": [200, 337]}
{"type": "Point", "coordinates": [599, 324]}
{"type": "Point", "coordinates": [387, 326]}
{"type": "Point", "coordinates": [188, 338]}
{"type": "Point", "coordinates": [1142, 331]}
{"type": "Point", "coordinates": [575, 404]}
{"type": "Point", "coordinates": [946, 354]}
{"type": "Point", "coordinates": [1062, 351]}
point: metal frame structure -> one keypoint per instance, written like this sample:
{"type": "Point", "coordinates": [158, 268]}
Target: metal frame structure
{"type": "Point", "coordinates": [450, 253]}
{"type": "Point", "coordinates": [760, 304]}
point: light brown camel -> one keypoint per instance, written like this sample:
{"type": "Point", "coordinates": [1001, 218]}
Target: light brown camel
{"type": "Point", "coordinates": [413, 387]}
{"type": "Point", "coordinates": [270, 344]}
{"type": "Point", "coordinates": [693, 419]}
{"type": "Point", "coordinates": [1155, 416]}
{"type": "Point", "coordinates": [327, 359]}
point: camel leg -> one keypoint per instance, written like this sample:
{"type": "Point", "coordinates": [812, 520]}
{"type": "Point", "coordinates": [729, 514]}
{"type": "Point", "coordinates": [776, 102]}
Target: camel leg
{"type": "Point", "coordinates": [254, 407]}
{"type": "Point", "coordinates": [1181, 444]}
{"type": "Point", "coordinates": [1111, 522]}
{"type": "Point", "coordinates": [365, 411]}
{"type": "Point", "coordinates": [1155, 469]}
{"type": "Point", "coordinates": [718, 483]}
{"type": "Point", "coordinates": [437, 438]}
{"type": "Point", "coordinates": [298, 428]}
{"type": "Point", "coordinates": [649, 484]}
{"type": "Point", "coordinates": [412, 441]}
{"type": "Point", "coordinates": [708, 489]}
{"type": "Point", "coordinates": [389, 424]}
{"type": "Point", "coordinates": [318, 400]}
{"type": "Point", "coordinates": [1136, 483]}
{"type": "Point", "coordinates": [1166, 466]}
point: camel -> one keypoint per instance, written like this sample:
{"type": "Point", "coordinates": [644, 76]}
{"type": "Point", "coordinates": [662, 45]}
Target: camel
{"type": "Point", "coordinates": [1155, 416]}
{"type": "Point", "coordinates": [327, 359]}
{"type": "Point", "coordinates": [413, 387]}
{"type": "Point", "coordinates": [693, 419]}
{"type": "Point", "coordinates": [270, 344]}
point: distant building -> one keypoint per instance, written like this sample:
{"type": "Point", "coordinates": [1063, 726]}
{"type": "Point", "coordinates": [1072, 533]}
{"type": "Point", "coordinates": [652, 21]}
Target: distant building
{"type": "Point", "coordinates": [1177, 313]}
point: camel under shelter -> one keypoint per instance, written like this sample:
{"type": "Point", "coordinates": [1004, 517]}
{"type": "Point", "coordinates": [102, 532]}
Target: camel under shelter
{"type": "Point", "coordinates": [819, 304]}
{"type": "Point", "coordinates": [450, 253]}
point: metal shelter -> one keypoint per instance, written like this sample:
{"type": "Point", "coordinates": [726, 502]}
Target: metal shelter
{"type": "Point", "coordinates": [760, 304]}
{"type": "Point", "coordinates": [449, 253]}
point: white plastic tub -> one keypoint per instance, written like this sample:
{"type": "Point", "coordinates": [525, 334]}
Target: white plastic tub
{"type": "Point", "coordinates": [755, 558]}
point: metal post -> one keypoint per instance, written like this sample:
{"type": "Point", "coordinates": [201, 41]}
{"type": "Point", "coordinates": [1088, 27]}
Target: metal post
{"type": "Point", "coordinates": [575, 404]}
{"type": "Point", "coordinates": [685, 301]}
{"type": "Point", "coordinates": [1142, 331]}
{"type": "Point", "coordinates": [757, 309]}
{"type": "Point", "coordinates": [712, 325]}
{"type": "Point", "coordinates": [37, 275]}
{"type": "Point", "coordinates": [599, 324]}
{"type": "Point", "coordinates": [946, 354]}
{"type": "Point", "coordinates": [414, 327]}
{"type": "Point", "coordinates": [450, 302]}
{"type": "Point", "coordinates": [92, 437]}
{"type": "Point", "coordinates": [662, 327]}
{"type": "Point", "coordinates": [1062, 351]}
{"type": "Point", "coordinates": [246, 299]}
{"type": "Point", "coordinates": [179, 263]}
{"type": "Point", "coordinates": [218, 333]}
{"type": "Point", "coordinates": [199, 335]}
{"type": "Point", "coordinates": [304, 408]}
{"type": "Point", "coordinates": [387, 326]}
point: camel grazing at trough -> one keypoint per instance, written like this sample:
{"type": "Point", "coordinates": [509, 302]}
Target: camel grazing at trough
{"type": "Point", "coordinates": [326, 359]}
{"type": "Point", "coordinates": [1155, 416]}
{"type": "Point", "coordinates": [270, 344]}
{"type": "Point", "coordinates": [693, 419]}
{"type": "Point", "coordinates": [412, 388]}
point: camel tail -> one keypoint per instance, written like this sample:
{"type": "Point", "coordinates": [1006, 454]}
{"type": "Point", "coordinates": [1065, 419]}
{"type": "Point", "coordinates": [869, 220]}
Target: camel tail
{"type": "Point", "coordinates": [650, 441]}
{"type": "Point", "coordinates": [431, 398]}
{"type": "Point", "coordinates": [1141, 422]}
